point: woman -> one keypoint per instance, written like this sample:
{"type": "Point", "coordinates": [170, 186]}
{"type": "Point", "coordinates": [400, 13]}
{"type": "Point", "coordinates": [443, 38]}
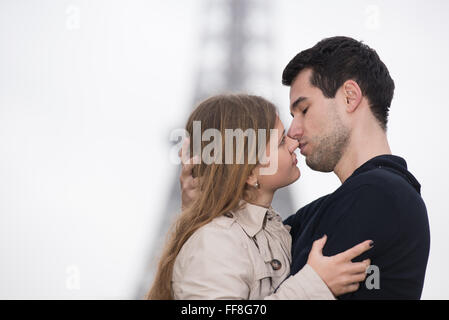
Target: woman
{"type": "Point", "coordinates": [229, 243]}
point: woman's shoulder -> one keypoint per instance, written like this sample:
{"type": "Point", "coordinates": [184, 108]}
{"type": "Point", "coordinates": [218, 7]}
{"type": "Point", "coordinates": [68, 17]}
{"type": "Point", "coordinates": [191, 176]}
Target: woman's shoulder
{"type": "Point", "coordinates": [221, 233]}
{"type": "Point", "coordinates": [213, 262]}
{"type": "Point", "coordinates": [221, 227]}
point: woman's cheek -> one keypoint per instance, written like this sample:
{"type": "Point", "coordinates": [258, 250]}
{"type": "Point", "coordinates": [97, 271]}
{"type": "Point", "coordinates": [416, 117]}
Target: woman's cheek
{"type": "Point", "coordinates": [284, 164]}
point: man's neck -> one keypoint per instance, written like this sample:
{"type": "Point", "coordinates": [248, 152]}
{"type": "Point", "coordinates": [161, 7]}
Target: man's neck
{"type": "Point", "coordinates": [363, 146]}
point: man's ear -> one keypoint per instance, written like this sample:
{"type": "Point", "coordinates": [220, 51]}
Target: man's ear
{"type": "Point", "coordinates": [352, 95]}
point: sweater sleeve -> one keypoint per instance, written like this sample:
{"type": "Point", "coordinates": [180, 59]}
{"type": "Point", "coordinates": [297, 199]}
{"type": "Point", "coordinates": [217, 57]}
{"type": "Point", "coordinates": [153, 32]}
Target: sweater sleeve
{"type": "Point", "coordinates": [368, 214]}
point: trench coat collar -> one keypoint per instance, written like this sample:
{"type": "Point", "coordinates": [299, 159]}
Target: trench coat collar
{"type": "Point", "coordinates": [252, 217]}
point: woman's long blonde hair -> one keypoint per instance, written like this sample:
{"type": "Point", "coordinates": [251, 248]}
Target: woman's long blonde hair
{"type": "Point", "coordinates": [221, 186]}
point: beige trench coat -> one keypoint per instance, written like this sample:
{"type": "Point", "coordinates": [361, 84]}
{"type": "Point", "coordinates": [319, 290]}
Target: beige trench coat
{"type": "Point", "coordinates": [245, 254]}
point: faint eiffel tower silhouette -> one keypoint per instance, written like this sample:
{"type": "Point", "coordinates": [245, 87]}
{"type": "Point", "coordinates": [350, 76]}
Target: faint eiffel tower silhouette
{"type": "Point", "coordinates": [234, 56]}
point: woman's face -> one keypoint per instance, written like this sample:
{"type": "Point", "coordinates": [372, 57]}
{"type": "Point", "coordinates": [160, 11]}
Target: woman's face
{"type": "Point", "coordinates": [284, 161]}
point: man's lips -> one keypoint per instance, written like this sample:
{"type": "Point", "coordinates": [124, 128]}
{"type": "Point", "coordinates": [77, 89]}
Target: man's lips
{"type": "Point", "coordinates": [301, 147]}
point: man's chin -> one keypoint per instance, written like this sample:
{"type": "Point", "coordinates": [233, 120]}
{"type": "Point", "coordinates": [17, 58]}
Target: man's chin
{"type": "Point", "coordinates": [317, 166]}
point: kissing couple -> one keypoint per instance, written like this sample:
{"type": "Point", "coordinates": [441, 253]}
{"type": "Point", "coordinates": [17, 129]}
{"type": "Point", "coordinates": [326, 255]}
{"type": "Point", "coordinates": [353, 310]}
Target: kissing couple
{"type": "Point", "coordinates": [230, 243]}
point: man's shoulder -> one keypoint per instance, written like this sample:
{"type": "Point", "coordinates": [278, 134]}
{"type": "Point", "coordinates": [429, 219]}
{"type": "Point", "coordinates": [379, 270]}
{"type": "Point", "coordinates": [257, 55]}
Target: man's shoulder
{"type": "Point", "coordinates": [314, 204]}
{"type": "Point", "coordinates": [381, 193]}
{"type": "Point", "coordinates": [383, 178]}
{"type": "Point", "coordinates": [396, 189]}
{"type": "Point", "coordinates": [306, 211]}
{"type": "Point", "coordinates": [373, 182]}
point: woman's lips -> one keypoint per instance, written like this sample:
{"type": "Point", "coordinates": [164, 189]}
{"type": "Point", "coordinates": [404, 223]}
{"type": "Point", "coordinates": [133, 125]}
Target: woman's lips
{"type": "Point", "coordinates": [295, 160]}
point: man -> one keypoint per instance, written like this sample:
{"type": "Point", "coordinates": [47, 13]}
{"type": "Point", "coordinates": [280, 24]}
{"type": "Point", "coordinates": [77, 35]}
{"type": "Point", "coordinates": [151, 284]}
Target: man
{"type": "Point", "coordinates": [340, 95]}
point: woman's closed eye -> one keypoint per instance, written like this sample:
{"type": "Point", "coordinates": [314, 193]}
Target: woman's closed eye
{"type": "Point", "coordinates": [282, 141]}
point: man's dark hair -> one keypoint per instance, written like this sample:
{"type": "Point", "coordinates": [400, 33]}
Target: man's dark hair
{"type": "Point", "coordinates": [337, 59]}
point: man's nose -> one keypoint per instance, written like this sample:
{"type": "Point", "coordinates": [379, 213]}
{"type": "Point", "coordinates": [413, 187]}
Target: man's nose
{"type": "Point", "coordinates": [295, 131]}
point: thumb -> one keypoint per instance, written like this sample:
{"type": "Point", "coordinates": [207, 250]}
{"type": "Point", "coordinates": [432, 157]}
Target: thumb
{"type": "Point", "coordinates": [318, 245]}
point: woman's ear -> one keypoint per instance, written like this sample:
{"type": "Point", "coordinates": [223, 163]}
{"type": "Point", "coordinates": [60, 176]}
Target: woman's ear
{"type": "Point", "coordinates": [252, 179]}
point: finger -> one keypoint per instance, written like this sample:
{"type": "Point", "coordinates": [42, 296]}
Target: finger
{"type": "Point", "coordinates": [355, 251]}
{"type": "Point", "coordinates": [187, 168]}
{"type": "Point", "coordinates": [368, 264]}
{"type": "Point", "coordinates": [195, 182]}
{"type": "Point", "coordinates": [318, 245]}
{"type": "Point", "coordinates": [186, 182]}
{"type": "Point", "coordinates": [190, 184]}
{"type": "Point", "coordinates": [359, 277]}
{"type": "Point", "coordinates": [185, 176]}
{"type": "Point", "coordinates": [352, 287]}
{"type": "Point", "coordinates": [192, 194]}
{"type": "Point", "coordinates": [357, 267]}
{"type": "Point", "coordinates": [183, 153]}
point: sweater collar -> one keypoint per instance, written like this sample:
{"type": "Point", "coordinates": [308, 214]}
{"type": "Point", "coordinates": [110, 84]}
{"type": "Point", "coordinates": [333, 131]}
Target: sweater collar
{"type": "Point", "coordinates": [389, 162]}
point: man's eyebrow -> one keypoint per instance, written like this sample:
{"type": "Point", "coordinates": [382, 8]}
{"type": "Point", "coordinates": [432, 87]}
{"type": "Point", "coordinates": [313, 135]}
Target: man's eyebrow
{"type": "Point", "coordinates": [298, 101]}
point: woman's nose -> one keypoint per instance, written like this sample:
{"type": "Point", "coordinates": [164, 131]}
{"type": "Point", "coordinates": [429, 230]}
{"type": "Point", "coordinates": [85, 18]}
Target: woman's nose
{"type": "Point", "coordinates": [293, 145]}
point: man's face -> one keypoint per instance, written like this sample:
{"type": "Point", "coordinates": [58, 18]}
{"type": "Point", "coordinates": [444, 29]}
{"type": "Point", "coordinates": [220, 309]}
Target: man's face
{"type": "Point", "coordinates": [317, 124]}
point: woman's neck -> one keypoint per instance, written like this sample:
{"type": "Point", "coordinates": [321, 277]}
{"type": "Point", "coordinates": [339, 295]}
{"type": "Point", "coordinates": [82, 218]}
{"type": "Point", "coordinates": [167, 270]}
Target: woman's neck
{"type": "Point", "coordinates": [261, 198]}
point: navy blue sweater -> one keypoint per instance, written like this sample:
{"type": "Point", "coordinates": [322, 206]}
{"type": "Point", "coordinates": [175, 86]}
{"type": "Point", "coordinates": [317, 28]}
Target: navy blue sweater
{"type": "Point", "coordinates": [380, 201]}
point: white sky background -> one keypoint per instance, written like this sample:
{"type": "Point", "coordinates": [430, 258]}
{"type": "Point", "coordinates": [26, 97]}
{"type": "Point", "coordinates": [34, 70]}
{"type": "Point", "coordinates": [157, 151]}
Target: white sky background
{"type": "Point", "coordinates": [90, 90]}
